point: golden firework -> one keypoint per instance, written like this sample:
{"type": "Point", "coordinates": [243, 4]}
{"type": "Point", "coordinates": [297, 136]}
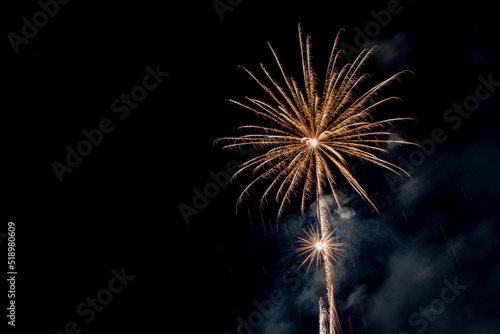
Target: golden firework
{"type": "Point", "coordinates": [318, 129]}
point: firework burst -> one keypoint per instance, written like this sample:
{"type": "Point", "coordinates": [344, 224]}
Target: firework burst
{"type": "Point", "coordinates": [318, 130]}
{"type": "Point", "coordinates": [315, 246]}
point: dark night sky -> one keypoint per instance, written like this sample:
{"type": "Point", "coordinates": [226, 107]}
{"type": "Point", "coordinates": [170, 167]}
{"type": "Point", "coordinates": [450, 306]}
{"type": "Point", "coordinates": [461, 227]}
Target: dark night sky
{"type": "Point", "coordinates": [119, 208]}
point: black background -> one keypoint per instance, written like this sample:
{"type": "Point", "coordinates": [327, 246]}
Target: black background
{"type": "Point", "coordinates": [119, 207]}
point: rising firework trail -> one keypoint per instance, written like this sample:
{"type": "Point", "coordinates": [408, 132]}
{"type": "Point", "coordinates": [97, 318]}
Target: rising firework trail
{"type": "Point", "coordinates": [320, 129]}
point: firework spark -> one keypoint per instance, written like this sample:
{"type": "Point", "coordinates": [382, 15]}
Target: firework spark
{"type": "Point", "coordinates": [320, 129]}
{"type": "Point", "coordinates": [318, 246]}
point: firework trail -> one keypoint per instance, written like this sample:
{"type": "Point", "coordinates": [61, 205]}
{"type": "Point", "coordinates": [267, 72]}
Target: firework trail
{"type": "Point", "coordinates": [319, 131]}
{"type": "Point", "coordinates": [323, 214]}
{"type": "Point", "coordinates": [323, 318]}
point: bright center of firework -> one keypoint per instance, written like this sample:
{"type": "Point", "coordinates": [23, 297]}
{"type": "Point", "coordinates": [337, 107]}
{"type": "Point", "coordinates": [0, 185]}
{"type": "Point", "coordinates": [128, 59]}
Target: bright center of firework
{"type": "Point", "coordinates": [312, 142]}
{"type": "Point", "coordinates": [320, 246]}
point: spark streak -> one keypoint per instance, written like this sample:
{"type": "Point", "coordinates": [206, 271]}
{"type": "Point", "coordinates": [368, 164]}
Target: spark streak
{"type": "Point", "coordinates": [451, 246]}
